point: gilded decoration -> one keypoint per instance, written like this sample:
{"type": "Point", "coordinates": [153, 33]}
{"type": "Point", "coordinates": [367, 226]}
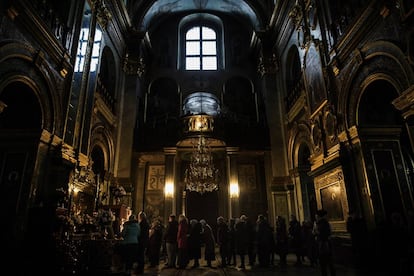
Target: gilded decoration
{"type": "Point", "coordinates": [154, 195]}
{"type": "Point", "coordinates": [312, 14]}
{"type": "Point", "coordinates": [316, 135]}
{"type": "Point", "coordinates": [330, 125]}
{"type": "Point", "coordinates": [134, 66]}
{"type": "Point", "coordinates": [156, 176]}
{"type": "Point", "coordinates": [296, 14]}
{"type": "Point", "coordinates": [268, 65]}
{"type": "Point", "coordinates": [103, 15]}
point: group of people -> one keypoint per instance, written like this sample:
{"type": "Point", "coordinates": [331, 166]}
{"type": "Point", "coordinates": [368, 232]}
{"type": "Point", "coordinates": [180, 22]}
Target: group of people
{"type": "Point", "coordinates": [129, 253]}
{"type": "Point", "coordinates": [258, 243]}
{"type": "Point", "coordinates": [238, 240]}
{"type": "Point", "coordinates": [184, 240]}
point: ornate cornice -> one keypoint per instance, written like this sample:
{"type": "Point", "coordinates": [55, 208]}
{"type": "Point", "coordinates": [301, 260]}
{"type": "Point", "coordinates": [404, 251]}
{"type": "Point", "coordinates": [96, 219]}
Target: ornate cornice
{"type": "Point", "coordinates": [296, 14]}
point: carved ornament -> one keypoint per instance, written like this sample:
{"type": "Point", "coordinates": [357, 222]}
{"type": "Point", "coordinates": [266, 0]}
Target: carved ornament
{"type": "Point", "coordinates": [103, 15]}
{"type": "Point", "coordinates": [134, 66]}
{"type": "Point", "coordinates": [268, 65]}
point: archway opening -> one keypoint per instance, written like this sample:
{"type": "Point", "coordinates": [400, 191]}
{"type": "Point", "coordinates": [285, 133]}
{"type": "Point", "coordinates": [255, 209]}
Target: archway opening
{"type": "Point", "coordinates": [306, 183]}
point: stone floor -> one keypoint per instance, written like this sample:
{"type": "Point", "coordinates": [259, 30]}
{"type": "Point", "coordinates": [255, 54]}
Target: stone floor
{"type": "Point", "coordinates": [291, 270]}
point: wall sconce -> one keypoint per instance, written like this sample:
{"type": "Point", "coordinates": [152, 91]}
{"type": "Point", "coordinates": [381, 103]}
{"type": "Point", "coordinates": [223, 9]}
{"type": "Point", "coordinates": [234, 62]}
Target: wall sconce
{"type": "Point", "coordinates": [234, 190]}
{"type": "Point", "coordinates": [169, 190]}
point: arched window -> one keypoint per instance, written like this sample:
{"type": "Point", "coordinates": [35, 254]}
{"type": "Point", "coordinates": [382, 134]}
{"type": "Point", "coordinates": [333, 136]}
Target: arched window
{"type": "Point", "coordinates": [201, 43]}
{"type": "Point", "coordinates": [200, 49]}
{"type": "Point", "coordinates": [83, 44]}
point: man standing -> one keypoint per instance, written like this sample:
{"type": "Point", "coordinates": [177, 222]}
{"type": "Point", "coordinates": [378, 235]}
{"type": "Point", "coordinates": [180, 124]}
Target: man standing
{"type": "Point", "coordinates": [170, 238]}
{"type": "Point", "coordinates": [223, 240]}
{"type": "Point", "coordinates": [322, 231]}
{"type": "Point", "coordinates": [142, 241]}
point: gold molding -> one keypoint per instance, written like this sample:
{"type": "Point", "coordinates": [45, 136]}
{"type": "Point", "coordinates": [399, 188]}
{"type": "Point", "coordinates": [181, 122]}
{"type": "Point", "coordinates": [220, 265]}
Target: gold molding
{"type": "Point", "coordinates": [405, 102]}
{"type": "Point", "coordinates": [103, 15]}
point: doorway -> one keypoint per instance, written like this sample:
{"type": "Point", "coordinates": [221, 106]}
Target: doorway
{"type": "Point", "coordinates": [202, 206]}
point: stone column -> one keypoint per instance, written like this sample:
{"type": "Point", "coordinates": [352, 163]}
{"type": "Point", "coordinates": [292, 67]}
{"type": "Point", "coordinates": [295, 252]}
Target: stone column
{"type": "Point", "coordinates": [271, 88]}
{"type": "Point", "coordinates": [134, 69]}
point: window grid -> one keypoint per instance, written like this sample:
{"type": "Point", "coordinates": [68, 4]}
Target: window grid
{"type": "Point", "coordinates": [201, 49]}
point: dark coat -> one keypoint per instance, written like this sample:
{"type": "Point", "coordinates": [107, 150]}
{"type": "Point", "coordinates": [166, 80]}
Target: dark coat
{"type": "Point", "coordinates": [171, 231]}
{"type": "Point", "coordinates": [209, 241]}
{"type": "Point", "coordinates": [194, 241]}
{"type": "Point", "coordinates": [242, 237]}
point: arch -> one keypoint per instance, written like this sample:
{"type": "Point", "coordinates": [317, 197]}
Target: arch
{"type": "Point", "coordinates": [367, 66]}
{"type": "Point", "coordinates": [101, 140]}
{"type": "Point", "coordinates": [307, 187]}
{"type": "Point", "coordinates": [102, 152]}
{"type": "Point", "coordinates": [107, 71]}
{"type": "Point", "coordinates": [300, 134]}
{"type": "Point", "coordinates": [153, 12]}
{"type": "Point", "coordinates": [375, 106]}
{"type": "Point", "coordinates": [20, 114]}
{"type": "Point", "coordinates": [16, 65]}
{"type": "Point", "coordinates": [300, 150]}
{"type": "Point", "coordinates": [293, 68]}
{"type": "Point", "coordinates": [98, 158]}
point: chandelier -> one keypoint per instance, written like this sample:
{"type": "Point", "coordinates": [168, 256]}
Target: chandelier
{"type": "Point", "coordinates": [201, 176]}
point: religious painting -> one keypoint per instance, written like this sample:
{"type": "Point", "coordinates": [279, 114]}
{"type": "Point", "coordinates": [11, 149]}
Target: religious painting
{"type": "Point", "coordinates": [156, 175]}
{"type": "Point", "coordinates": [314, 79]}
{"type": "Point", "coordinates": [331, 201]}
{"type": "Point", "coordinates": [331, 195]}
{"type": "Point", "coordinates": [247, 176]}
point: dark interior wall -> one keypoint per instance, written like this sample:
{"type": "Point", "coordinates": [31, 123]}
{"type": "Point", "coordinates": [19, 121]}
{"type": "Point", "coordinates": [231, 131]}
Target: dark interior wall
{"type": "Point", "coordinates": [165, 43]}
{"type": "Point", "coordinates": [242, 116]}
